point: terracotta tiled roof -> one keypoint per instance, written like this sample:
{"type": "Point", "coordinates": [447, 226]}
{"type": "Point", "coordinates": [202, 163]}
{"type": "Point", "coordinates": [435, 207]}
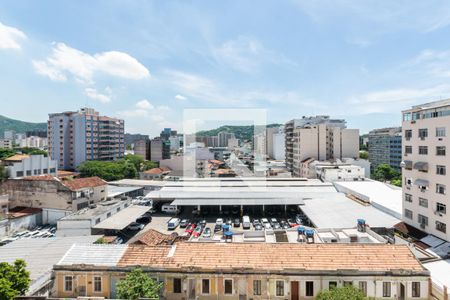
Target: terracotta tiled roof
{"type": "Point", "coordinates": [273, 257]}
{"type": "Point", "coordinates": [79, 183]}
{"type": "Point", "coordinates": [216, 162]}
{"type": "Point", "coordinates": [23, 211]}
{"type": "Point", "coordinates": [157, 171]}
{"type": "Point", "coordinates": [64, 173]}
{"type": "Point", "coordinates": [17, 157]}
{"type": "Point", "coordinates": [153, 237]}
{"type": "Point", "coordinates": [40, 177]}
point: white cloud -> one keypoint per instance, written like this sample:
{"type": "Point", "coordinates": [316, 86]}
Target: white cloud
{"type": "Point", "coordinates": [144, 104]}
{"type": "Point", "coordinates": [94, 94]}
{"type": "Point", "coordinates": [10, 37]}
{"type": "Point", "coordinates": [82, 66]}
{"type": "Point", "coordinates": [180, 97]}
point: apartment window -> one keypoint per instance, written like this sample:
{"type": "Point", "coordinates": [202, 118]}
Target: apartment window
{"type": "Point", "coordinates": [348, 283]}
{"type": "Point", "coordinates": [441, 227]}
{"type": "Point", "coordinates": [257, 287]}
{"type": "Point", "coordinates": [408, 134]}
{"type": "Point", "coordinates": [177, 285]}
{"type": "Point", "coordinates": [28, 172]}
{"type": "Point", "coordinates": [205, 286]}
{"type": "Point", "coordinates": [440, 170]}
{"type": "Point", "coordinates": [440, 150]}
{"type": "Point", "coordinates": [408, 214]}
{"type": "Point", "coordinates": [228, 284]}
{"type": "Point", "coordinates": [309, 289]}
{"type": "Point", "coordinates": [423, 202]}
{"type": "Point", "coordinates": [279, 290]}
{"type": "Point", "coordinates": [19, 174]}
{"type": "Point", "coordinates": [441, 208]}
{"type": "Point", "coordinates": [440, 131]}
{"type": "Point", "coordinates": [408, 198]}
{"type": "Point", "coordinates": [68, 283]}
{"type": "Point", "coordinates": [440, 188]}
{"type": "Point", "coordinates": [332, 285]}
{"type": "Point", "coordinates": [422, 219]}
{"type": "Point", "coordinates": [423, 150]}
{"type": "Point", "coordinates": [415, 289]}
{"type": "Point", "coordinates": [386, 289]}
{"type": "Point", "coordinates": [408, 149]}
{"type": "Point", "coordinates": [45, 171]}
{"type": "Point", "coordinates": [97, 284]}
{"type": "Point", "coordinates": [423, 133]}
{"type": "Point", "coordinates": [363, 287]}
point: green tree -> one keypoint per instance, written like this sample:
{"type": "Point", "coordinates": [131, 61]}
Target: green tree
{"type": "Point", "coordinates": [137, 285]}
{"type": "Point", "coordinates": [14, 279]}
{"type": "Point", "coordinates": [341, 293]}
{"type": "Point", "coordinates": [5, 153]}
{"type": "Point", "coordinates": [3, 173]}
{"type": "Point", "coordinates": [136, 160]}
{"type": "Point", "coordinates": [32, 151]}
{"type": "Point", "coordinates": [108, 170]}
{"type": "Point", "coordinates": [385, 172]}
{"type": "Point", "coordinates": [363, 154]}
{"type": "Point", "coordinates": [148, 164]}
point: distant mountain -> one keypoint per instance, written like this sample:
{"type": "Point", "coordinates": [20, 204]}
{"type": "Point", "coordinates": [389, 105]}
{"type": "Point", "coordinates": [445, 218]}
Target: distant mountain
{"type": "Point", "coordinates": [244, 132]}
{"type": "Point", "coordinates": [19, 126]}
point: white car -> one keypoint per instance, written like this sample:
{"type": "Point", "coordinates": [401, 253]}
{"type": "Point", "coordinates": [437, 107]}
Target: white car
{"type": "Point", "coordinates": [267, 226]}
{"type": "Point", "coordinates": [264, 221]}
{"type": "Point", "coordinates": [219, 221]}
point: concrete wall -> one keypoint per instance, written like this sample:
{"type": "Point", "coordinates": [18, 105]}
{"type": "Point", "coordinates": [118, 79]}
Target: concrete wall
{"type": "Point", "coordinates": [35, 165]}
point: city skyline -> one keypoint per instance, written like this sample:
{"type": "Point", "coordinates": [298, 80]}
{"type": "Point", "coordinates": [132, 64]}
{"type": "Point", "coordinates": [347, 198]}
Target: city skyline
{"type": "Point", "coordinates": [147, 61]}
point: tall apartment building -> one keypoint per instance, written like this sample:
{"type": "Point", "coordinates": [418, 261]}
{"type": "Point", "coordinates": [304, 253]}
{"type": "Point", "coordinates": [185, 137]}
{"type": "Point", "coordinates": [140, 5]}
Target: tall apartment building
{"type": "Point", "coordinates": [275, 138]}
{"type": "Point", "coordinates": [320, 138]}
{"type": "Point", "coordinates": [142, 148]}
{"type": "Point", "coordinates": [223, 138]}
{"type": "Point", "coordinates": [385, 147]}
{"type": "Point", "coordinates": [77, 136]}
{"type": "Point", "coordinates": [159, 149]}
{"type": "Point", "coordinates": [425, 160]}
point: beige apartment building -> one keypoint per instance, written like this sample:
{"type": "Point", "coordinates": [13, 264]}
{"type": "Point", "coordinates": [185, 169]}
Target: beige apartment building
{"type": "Point", "coordinates": [323, 142]}
{"type": "Point", "coordinates": [425, 180]}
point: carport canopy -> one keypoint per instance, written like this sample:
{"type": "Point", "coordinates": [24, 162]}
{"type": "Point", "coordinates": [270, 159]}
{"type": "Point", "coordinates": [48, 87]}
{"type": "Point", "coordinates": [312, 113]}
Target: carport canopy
{"type": "Point", "coordinates": [123, 218]}
{"type": "Point", "coordinates": [237, 201]}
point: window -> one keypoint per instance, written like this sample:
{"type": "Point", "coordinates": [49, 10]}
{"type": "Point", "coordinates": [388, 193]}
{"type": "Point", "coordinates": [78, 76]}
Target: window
{"type": "Point", "coordinates": [441, 208]}
{"type": "Point", "coordinates": [363, 287]}
{"type": "Point", "coordinates": [177, 285]}
{"type": "Point", "coordinates": [309, 289]}
{"type": "Point", "coordinates": [45, 171]}
{"type": "Point", "coordinates": [28, 172]}
{"type": "Point", "coordinates": [423, 150]}
{"type": "Point", "coordinates": [441, 227]}
{"type": "Point", "coordinates": [19, 174]}
{"type": "Point", "coordinates": [440, 188]}
{"type": "Point", "coordinates": [332, 284]}
{"type": "Point", "coordinates": [408, 149]}
{"type": "Point", "coordinates": [386, 289]}
{"type": "Point", "coordinates": [416, 289]}
{"type": "Point", "coordinates": [257, 287]}
{"type": "Point", "coordinates": [440, 170]}
{"type": "Point", "coordinates": [408, 214]}
{"type": "Point", "coordinates": [108, 215]}
{"type": "Point", "coordinates": [408, 134]}
{"type": "Point", "coordinates": [423, 202]}
{"type": "Point", "coordinates": [97, 284]}
{"type": "Point", "coordinates": [423, 133]}
{"type": "Point", "coordinates": [348, 283]}
{"type": "Point", "coordinates": [205, 286]}
{"type": "Point", "coordinates": [279, 288]}
{"type": "Point", "coordinates": [408, 198]}
{"type": "Point", "coordinates": [68, 283]}
{"type": "Point", "coordinates": [440, 150]}
{"type": "Point", "coordinates": [228, 283]}
{"type": "Point", "coordinates": [440, 131]}
{"type": "Point", "coordinates": [422, 219]}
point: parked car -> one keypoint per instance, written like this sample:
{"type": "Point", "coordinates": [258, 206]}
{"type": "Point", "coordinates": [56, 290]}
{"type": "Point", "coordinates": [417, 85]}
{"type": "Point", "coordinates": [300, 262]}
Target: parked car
{"type": "Point", "coordinates": [236, 222]}
{"type": "Point", "coordinates": [291, 222]}
{"type": "Point", "coordinates": [229, 222]}
{"type": "Point", "coordinates": [264, 221]}
{"type": "Point", "coordinates": [197, 231]}
{"type": "Point", "coordinates": [143, 220]}
{"type": "Point", "coordinates": [285, 225]}
{"type": "Point", "coordinates": [202, 223]}
{"type": "Point", "coordinates": [184, 223]}
{"type": "Point", "coordinates": [273, 221]}
{"type": "Point", "coordinates": [256, 221]}
{"type": "Point", "coordinates": [135, 226]}
{"type": "Point", "coordinates": [118, 240]}
{"type": "Point", "coordinates": [276, 226]}
{"type": "Point", "coordinates": [246, 222]}
{"type": "Point", "coordinates": [219, 221]}
{"type": "Point", "coordinates": [206, 232]}
{"type": "Point", "coordinates": [267, 226]}
{"type": "Point", "coordinates": [298, 220]}
{"type": "Point", "coordinates": [190, 229]}
{"type": "Point", "coordinates": [173, 223]}
{"type": "Point", "coordinates": [258, 227]}
{"type": "Point", "coordinates": [217, 228]}
{"type": "Point", "coordinates": [170, 209]}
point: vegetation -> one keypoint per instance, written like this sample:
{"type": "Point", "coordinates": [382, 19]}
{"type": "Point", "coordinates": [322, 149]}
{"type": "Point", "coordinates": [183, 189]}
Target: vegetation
{"type": "Point", "coordinates": [148, 164]}
{"type": "Point", "coordinates": [341, 293]}
{"type": "Point", "coordinates": [138, 285]}
{"type": "Point", "coordinates": [363, 155]}
{"type": "Point", "coordinates": [20, 126]}
{"type": "Point", "coordinates": [5, 153]}
{"type": "Point", "coordinates": [244, 132]}
{"type": "Point", "coordinates": [3, 173]}
{"type": "Point", "coordinates": [384, 173]}
{"type": "Point", "coordinates": [31, 151]}
{"type": "Point", "coordinates": [14, 279]}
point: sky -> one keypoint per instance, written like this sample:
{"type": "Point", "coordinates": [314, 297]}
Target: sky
{"type": "Point", "coordinates": [149, 61]}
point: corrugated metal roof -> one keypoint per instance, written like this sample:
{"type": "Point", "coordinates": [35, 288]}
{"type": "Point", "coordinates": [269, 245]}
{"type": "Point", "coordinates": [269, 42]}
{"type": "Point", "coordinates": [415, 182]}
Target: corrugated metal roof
{"type": "Point", "coordinates": [107, 255]}
{"type": "Point", "coordinates": [123, 218]}
{"type": "Point", "coordinates": [238, 201]}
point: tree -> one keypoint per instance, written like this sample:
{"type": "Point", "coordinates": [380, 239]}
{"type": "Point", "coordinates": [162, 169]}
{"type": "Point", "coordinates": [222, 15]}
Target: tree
{"type": "Point", "coordinates": [136, 160]}
{"type": "Point", "coordinates": [137, 285]}
{"type": "Point", "coordinates": [363, 155]}
{"type": "Point", "coordinates": [14, 279]}
{"type": "Point", "coordinates": [3, 173]}
{"type": "Point", "coordinates": [148, 164]}
{"type": "Point", "coordinates": [384, 172]}
{"type": "Point", "coordinates": [341, 293]}
{"type": "Point", "coordinates": [5, 153]}
{"type": "Point", "coordinates": [32, 151]}
{"type": "Point", "coordinates": [108, 170]}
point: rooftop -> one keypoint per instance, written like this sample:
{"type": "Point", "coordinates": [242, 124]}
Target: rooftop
{"type": "Point", "coordinates": [89, 213]}
{"type": "Point", "coordinates": [17, 157]}
{"type": "Point", "coordinates": [114, 191]}
{"type": "Point", "coordinates": [123, 218]}
{"type": "Point", "coordinates": [80, 183]}
{"type": "Point", "coordinates": [94, 254]}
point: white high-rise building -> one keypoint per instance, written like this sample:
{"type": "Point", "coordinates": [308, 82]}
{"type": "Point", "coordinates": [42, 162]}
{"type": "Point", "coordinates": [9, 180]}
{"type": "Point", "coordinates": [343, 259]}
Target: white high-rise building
{"type": "Point", "coordinates": [275, 139]}
{"type": "Point", "coordinates": [425, 180]}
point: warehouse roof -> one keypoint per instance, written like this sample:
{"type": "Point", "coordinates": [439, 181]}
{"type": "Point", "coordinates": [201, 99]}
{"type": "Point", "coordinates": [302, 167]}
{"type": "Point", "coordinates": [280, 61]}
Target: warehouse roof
{"type": "Point", "coordinates": [237, 201]}
{"type": "Point", "coordinates": [114, 191]}
{"type": "Point", "coordinates": [99, 255]}
{"type": "Point", "coordinates": [123, 218]}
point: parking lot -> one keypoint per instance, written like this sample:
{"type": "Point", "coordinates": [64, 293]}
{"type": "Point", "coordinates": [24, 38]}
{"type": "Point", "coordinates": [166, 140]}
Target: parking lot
{"type": "Point", "coordinates": [47, 231]}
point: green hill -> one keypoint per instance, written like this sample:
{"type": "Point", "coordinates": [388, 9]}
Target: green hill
{"type": "Point", "coordinates": [244, 132]}
{"type": "Point", "coordinates": [19, 126]}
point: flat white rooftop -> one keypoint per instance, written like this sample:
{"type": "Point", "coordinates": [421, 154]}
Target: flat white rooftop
{"type": "Point", "coordinates": [123, 218]}
{"type": "Point", "coordinates": [439, 271]}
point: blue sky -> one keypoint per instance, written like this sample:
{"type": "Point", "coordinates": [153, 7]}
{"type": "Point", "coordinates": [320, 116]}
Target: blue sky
{"type": "Point", "coordinates": [146, 61]}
